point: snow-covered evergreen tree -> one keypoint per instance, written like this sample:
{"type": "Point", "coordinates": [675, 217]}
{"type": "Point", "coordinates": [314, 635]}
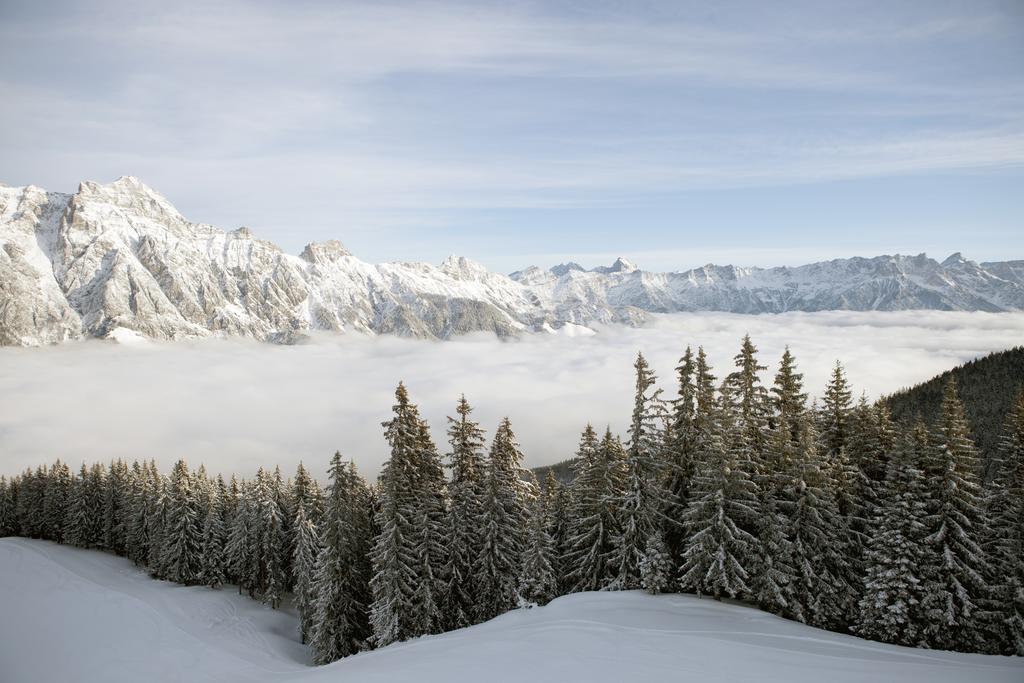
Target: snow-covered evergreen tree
{"type": "Point", "coordinates": [56, 501]}
{"type": "Point", "coordinates": [466, 491]}
{"type": "Point", "coordinates": [681, 443]}
{"type": "Point", "coordinates": [1006, 524]}
{"type": "Point", "coordinates": [114, 503]}
{"type": "Point", "coordinates": [240, 551]}
{"type": "Point", "coordinates": [599, 481]}
{"type": "Point", "coordinates": [339, 624]}
{"type": "Point", "coordinates": [819, 591]}
{"type": "Point", "coordinates": [503, 527]}
{"type": "Point", "coordinates": [213, 555]}
{"type": "Point", "coordinates": [408, 555]}
{"type": "Point", "coordinates": [271, 539]}
{"type": "Point", "coordinates": [183, 534]}
{"type": "Point", "coordinates": [538, 583]}
{"type": "Point", "coordinates": [305, 551]}
{"type": "Point", "coordinates": [954, 586]}
{"type": "Point", "coordinates": [719, 552]}
{"type": "Point", "coordinates": [890, 605]}
{"type": "Point", "coordinates": [84, 524]}
{"type": "Point", "coordinates": [558, 529]}
{"type": "Point", "coordinates": [751, 398]}
{"type": "Point", "coordinates": [156, 520]}
{"type": "Point", "coordinates": [645, 497]}
{"type": "Point", "coordinates": [6, 508]}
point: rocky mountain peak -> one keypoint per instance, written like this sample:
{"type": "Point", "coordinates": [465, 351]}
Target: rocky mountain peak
{"type": "Point", "coordinates": [621, 265]}
{"type": "Point", "coordinates": [324, 252]}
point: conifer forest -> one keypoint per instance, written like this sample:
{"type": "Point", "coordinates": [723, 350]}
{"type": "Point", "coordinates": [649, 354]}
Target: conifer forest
{"type": "Point", "coordinates": [829, 513]}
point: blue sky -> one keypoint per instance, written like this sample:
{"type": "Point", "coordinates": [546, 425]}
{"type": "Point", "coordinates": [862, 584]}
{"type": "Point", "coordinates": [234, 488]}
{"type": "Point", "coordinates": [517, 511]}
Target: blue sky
{"type": "Point", "coordinates": [672, 133]}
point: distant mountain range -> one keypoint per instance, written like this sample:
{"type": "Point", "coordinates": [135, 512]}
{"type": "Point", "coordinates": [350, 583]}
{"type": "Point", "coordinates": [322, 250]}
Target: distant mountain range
{"type": "Point", "coordinates": [119, 259]}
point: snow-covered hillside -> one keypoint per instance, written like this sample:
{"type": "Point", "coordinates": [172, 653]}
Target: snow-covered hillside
{"type": "Point", "coordinates": [120, 257]}
{"type": "Point", "coordinates": [75, 615]}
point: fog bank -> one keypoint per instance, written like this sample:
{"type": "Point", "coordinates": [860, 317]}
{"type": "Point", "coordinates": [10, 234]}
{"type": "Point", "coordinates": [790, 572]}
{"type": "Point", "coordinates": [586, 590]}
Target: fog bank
{"type": "Point", "coordinates": [237, 404]}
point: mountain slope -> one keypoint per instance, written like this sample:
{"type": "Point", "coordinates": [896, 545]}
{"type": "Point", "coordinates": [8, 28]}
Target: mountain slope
{"type": "Point", "coordinates": [987, 386]}
{"type": "Point", "coordinates": [120, 256]}
{"type": "Point", "coordinates": [80, 615]}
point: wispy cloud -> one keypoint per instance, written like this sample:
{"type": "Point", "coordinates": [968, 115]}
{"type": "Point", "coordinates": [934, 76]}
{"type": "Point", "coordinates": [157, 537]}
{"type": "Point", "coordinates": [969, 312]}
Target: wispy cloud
{"type": "Point", "coordinates": [293, 116]}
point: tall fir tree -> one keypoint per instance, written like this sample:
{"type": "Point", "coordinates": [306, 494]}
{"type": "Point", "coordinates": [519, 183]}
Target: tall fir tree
{"type": "Point", "coordinates": [340, 587]}
{"type": "Point", "coordinates": [1006, 524]}
{"type": "Point", "coordinates": [305, 551]}
{"type": "Point", "coordinates": [819, 592]}
{"type": "Point", "coordinates": [6, 509]}
{"type": "Point", "coordinates": [213, 556]}
{"type": "Point", "coordinates": [114, 504]}
{"type": "Point", "coordinates": [183, 537]}
{"type": "Point", "coordinates": [889, 609]}
{"type": "Point", "coordinates": [56, 501]}
{"type": "Point", "coordinates": [719, 552]}
{"type": "Point", "coordinates": [466, 491]}
{"type": "Point", "coordinates": [599, 481]}
{"type": "Point", "coordinates": [954, 584]}
{"type": "Point", "coordinates": [408, 563]}
{"type": "Point", "coordinates": [682, 443]}
{"type": "Point", "coordinates": [537, 583]}
{"type": "Point", "coordinates": [240, 551]}
{"type": "Point", "coordinates": [641, 509]}
{"type": "Point", "coordinates": [503, 526]}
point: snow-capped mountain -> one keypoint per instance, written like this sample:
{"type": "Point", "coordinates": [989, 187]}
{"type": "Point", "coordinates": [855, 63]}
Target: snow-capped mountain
{"type": "Point", "coordinates": [120, 257]}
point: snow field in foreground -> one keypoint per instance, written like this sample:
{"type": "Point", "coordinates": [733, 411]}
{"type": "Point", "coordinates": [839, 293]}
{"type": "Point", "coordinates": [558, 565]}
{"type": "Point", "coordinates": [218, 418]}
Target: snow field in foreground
{"type": "Point", "coordinates": [74, 615]}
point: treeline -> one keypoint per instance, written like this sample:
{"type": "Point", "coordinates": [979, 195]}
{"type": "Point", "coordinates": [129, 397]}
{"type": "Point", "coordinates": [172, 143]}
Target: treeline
{"type": "Point", "coordinates": [829, 514]}
{"type": "Point", "coordinates": [987, 386]}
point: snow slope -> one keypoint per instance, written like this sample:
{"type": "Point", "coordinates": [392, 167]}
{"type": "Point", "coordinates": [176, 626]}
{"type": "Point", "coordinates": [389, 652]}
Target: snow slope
{"type": "Point", "coordinates": [120, 256]}
{"type": "Point", "coordinates": [73, 615]}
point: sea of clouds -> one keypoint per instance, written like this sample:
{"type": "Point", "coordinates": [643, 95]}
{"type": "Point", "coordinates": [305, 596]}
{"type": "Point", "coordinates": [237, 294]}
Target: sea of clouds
{"type": "Point", "coordinates": [237, 404]}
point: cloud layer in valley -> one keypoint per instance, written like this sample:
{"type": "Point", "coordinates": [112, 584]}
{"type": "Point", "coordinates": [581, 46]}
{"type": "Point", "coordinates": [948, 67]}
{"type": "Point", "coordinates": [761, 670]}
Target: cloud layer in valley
{"type": "Point", "coordinates": [236, 405]}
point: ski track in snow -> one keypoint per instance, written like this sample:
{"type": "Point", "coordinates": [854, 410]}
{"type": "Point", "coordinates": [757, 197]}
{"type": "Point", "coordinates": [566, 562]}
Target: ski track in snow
{"type": "Point", "coordinates": [70, 614]}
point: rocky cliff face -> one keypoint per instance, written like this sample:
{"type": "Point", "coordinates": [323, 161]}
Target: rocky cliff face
{"type": "Point", "coordinates": [120, 257]}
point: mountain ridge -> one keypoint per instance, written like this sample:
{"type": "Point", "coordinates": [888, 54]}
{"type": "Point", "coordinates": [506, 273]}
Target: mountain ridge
{"type": "Point", "coordinates": [119, 256]}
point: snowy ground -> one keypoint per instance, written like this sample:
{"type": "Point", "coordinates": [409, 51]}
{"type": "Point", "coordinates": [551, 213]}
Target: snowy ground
{"type": "Point", "coordinates": [73, 615]}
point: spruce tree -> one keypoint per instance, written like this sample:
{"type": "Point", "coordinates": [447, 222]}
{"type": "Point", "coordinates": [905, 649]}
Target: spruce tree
{"type": "Point", "coordinates": [558, 529]}
{"type": "Point", "coordinates": [56, 501]}
{"type": "Point", "coordinates": [156, 520]}
{"type": "Point", "coordinates": [599, 481]}
{"type": "Point", "coordinates": [305, 552]}
{"type": "Point", "coordinates": [503, 527]}
{"type": "Point", "coordinates": [271, 540]}
{"type": "Point", "coordinates": [1006, 521]}
{"type": "Point", "coordinates": [645, 497]}
{"type": "Point", "coordinates": [752, 403]}
{"type": "Point", "coordinates": [466, 491]}
{"type": "Point", "coordinates": [682, 442]}
{"type": "Point", "coordinates": [84, 519]}
{"type": "Point", "coordinates": [240, 551]}
{"type": "Point", "coordinates": [538, 583]}
{"type": "Point", "coordinates": [954, 585]}
{"type": "Point", "coordinates": [719, 552]}
{"type": "Point", "coordinates": [6, 509]}
{"type": "Point", "coordinates": [183, 535]}
{"type": "Point", "coordinates": [890, 605]}
{"type": "Point", "coordinates": [819, 591]}
{"type": "Point", "coordinates": [114, 503]}
{"type": "Point", "coordinates": [213, 555]}
{"type": "Point", "coordinates": [408, 562]}
{"type": "Point", "coordinates": [340, 587]}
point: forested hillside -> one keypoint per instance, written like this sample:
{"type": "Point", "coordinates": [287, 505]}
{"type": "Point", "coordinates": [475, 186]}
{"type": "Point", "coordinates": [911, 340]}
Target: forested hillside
{"type": "Point", "coordinates": [987, 386]}
{"type": "Point", "coordinates": [827, 513]}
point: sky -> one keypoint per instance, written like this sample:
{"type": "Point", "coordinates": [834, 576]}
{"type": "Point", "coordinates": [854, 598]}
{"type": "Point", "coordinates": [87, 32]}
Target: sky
{"type": "Point", "coordinates": [236, 404]}
{"type": "Point", "coordinates": [518, 133]}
